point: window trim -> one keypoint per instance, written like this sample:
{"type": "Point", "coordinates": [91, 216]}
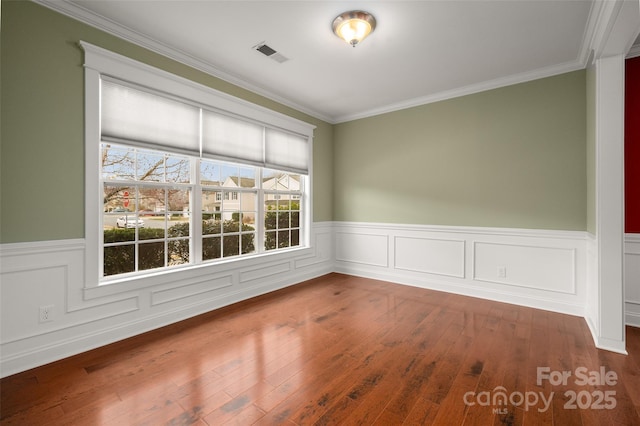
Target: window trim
{"type": "Point", "coordinates": [100, 62]}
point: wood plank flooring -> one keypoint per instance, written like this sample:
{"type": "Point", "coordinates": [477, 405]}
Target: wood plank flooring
{"type": "Point", "coordinates": [341, 350]}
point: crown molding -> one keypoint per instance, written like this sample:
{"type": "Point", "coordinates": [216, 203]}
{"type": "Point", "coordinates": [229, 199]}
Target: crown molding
{"type": "Point", "coordinates": [601, 18]}
{"type": "Point", "coordinates": [468, 90]}
{"type": "Point", "coordinates": [90, 18]}
{"type": "Point", "coordinates": [597, 30]}
{"type": "Point", "coordinates": [590, 33]}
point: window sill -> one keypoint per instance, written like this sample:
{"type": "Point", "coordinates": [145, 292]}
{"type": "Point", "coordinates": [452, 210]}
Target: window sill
{"type": "Point", "coordinates": [181, 276]}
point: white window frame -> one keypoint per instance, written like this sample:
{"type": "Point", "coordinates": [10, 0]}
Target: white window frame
{"type": "Point", "coordinates": [99, 62]}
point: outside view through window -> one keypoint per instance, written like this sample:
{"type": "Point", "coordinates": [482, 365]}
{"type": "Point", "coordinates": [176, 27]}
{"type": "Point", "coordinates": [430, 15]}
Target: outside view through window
{"type": "Point", "coordinates": [162, 210]}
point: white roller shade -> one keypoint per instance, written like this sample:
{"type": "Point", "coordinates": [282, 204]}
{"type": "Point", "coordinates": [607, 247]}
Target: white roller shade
{"type": "Point", "coordinates": [286, 151]}
{"type": "Point", "coordinates": [148, 119]}
{"type": "Point", "coordinates": [231, 138]}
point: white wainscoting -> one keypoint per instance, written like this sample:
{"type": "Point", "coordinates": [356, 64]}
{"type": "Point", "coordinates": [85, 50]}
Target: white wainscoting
{"type": "Point", "coordinates": [632, 279]}
{"type": "Point", "coordinates": [51, 273]}
{"type": "Point", "coordinates": [536, 268]}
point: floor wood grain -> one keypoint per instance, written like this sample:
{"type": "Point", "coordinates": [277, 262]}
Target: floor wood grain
{"type": "Point", "coordinates": [340, 350]}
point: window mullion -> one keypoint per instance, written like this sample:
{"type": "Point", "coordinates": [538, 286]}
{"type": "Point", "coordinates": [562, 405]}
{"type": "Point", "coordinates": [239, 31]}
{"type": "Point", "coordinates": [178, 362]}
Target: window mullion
{"type": "Point", "coordinates": [259, 213]}
{"type": "Point", "coordinates": [196, 213]}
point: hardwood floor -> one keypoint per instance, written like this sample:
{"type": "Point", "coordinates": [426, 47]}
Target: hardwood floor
{"type": "Point", "coordinates": [341, 350]}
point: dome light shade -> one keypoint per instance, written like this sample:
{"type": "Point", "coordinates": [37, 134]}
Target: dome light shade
{"type": "Point", "coordinates": [354, 26]}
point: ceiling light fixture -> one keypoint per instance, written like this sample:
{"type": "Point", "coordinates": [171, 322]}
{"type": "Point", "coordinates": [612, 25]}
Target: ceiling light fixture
{"type": "Point", "coordinates": [354, 26]}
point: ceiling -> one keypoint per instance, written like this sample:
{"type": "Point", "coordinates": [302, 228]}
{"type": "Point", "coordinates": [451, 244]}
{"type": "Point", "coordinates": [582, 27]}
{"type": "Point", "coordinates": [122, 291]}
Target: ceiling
{"type": "Point", "coordinates": [420, 52]}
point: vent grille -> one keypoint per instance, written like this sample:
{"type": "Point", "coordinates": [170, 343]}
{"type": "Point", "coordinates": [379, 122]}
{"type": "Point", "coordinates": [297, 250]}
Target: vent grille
{"type": "Point", "coordinates": [266, 50]}
{"type": "Point", "coordinates": [270, 52]}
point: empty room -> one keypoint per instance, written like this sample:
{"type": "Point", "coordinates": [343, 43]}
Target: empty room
{"type": "Point", "coordinates": [320, 212]}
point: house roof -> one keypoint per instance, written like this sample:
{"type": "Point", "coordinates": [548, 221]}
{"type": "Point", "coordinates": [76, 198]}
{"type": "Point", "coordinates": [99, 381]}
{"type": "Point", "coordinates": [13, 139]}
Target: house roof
{"type": "Point", "coordinates": [244, 182]}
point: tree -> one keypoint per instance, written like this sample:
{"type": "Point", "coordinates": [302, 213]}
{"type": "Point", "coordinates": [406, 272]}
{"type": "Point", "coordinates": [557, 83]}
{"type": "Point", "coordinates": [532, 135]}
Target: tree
{"type": "Point", "coordinates": [135, 164]}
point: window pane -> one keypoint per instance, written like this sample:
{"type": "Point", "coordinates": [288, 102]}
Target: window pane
{"type": "Point", "coordinates": [295, 219]}
{"type": "Point", "coordinates": [231, 245]}
{"type": "Point", "coordinates": [150, 166]}
{"type": "Point", "coordinates": [295, 237]}
{"type": "Point", "coordinates": [247, 177]}
{"type": "Point", "coordinates": [283, 239]}
{"type": "Point", "coordinates": [151, 255]}
{"type": "Point", "coordinates": [119, 260]}
{"type": "Point", "coordinates": [270, 241]}
{"type": "Point", "coordinates": [269, 179]}
{"type": "Point", "coordinates": [294, 182]}
{"type": "Point", "coordinates": [177, 169]}
{"type": "Point", "coordinates": [248, 245]}
{"type": "Point", "coordinates": [150, 233]}
{"type": "Point", "coordinates": [210, 173]}
{"type": "Point", "coordinates": [234, 225]}
{"type": "Point", "coordinates": [150, 211]}
{"type": "Point", "coordinates": [151, 201]}
{"type": "Point", "coordinates": [178, 214]}
{"type": "Point", "coordinates": [118, 199]}
{"type": "Point", "coordinates": [211, 248]}
{"type": "Point", "coordinates": [178, 228]}
{"type": "Point", "coordinates": [270, 218]}
{"type": "Point", "coordinates": [118, 222]}
{"type": "Point", "coordinates": [249, 205]}
{"type": "Point", "coordinates": [119, 235]}
{"type": "Point", "coordinates": [283, 219]}
{"type": "Point", "coordinates": [117, 162]}
{"type": "Point", "coordinates": [179, 201]}
{"type": "Point", "coordinates": [178, 252]}
{"type": "Point", "coordinates": [211, 204]}
{"type": "Point", "coordinates": [230, 208]}
{"type": "Point", "coordinates": [276, 180]}
{"type": "Point", "coordinates": [227, 174]}
{"type": "Point", "coordinates": [212, 226]}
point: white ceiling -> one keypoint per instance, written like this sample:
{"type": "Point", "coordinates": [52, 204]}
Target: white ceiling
{"type": "Point", "coordinates": [421, 51]}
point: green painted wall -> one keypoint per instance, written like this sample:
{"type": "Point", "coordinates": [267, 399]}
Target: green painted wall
{"type": "Point", "coordinates": [42, 151]}
{"type": "Point", "coordinates": [516, 157]}
{"type": "Point", "coordinates": [512, 157]}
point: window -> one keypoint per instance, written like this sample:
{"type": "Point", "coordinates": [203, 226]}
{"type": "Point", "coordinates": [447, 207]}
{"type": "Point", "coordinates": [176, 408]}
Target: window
{"type": "Point", "coordinates": [282, 209]}
{"type": "Point", "coordinates": [186, 175]}
{"type": "Point", "coordinates": [147, 209]}
{"type": "Point", "coordinates": [229, 226]}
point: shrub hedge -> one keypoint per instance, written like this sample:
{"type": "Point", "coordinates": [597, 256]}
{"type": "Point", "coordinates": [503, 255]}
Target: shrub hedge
{"type": "Point", "coordinates": [121, 259]}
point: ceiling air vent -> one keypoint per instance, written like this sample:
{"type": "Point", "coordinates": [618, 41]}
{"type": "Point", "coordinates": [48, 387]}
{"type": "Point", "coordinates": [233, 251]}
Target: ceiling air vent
{"type": "Point", "coordinates": [270, 52]}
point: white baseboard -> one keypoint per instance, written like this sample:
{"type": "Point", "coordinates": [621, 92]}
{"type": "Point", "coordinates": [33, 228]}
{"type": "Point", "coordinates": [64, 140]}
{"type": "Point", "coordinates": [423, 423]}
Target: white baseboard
{"type": "Point", "coordinates": [632, 314]}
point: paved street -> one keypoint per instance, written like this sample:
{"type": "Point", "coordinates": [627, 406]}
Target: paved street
{"type": "Point", "coordinates": [109, 221]}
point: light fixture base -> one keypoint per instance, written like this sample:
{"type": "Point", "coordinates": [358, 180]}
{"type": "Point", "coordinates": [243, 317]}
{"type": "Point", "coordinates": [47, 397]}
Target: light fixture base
{"type": "Point", "coordinates": [354, 26]}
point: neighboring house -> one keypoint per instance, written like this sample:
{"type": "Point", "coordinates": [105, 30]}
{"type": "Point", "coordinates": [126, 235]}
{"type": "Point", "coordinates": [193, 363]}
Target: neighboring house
{"type": "Point", "coordinates": [229, 202]}
{"type": "Point", "coordinates": [281, 182]}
